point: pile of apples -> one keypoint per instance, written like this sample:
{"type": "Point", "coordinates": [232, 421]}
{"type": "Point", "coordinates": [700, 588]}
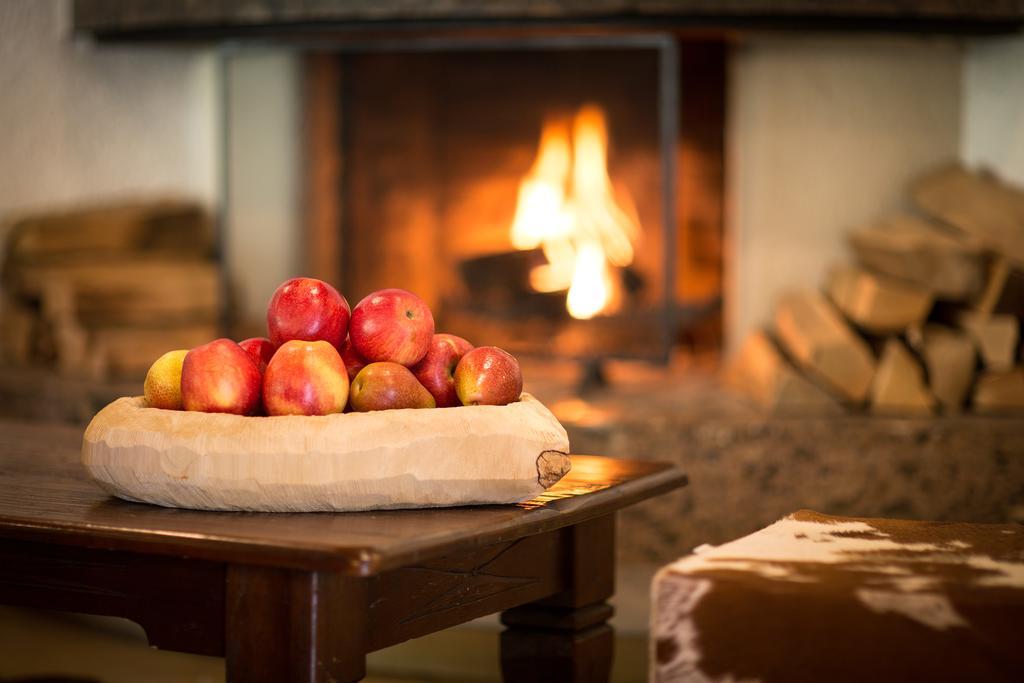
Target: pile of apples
{"type": "Point", "coordinates": [323, 357]}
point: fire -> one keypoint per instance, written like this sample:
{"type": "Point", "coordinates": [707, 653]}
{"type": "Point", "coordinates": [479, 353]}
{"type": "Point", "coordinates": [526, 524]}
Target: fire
{"type": "Point", "coordinates": [568, 207]}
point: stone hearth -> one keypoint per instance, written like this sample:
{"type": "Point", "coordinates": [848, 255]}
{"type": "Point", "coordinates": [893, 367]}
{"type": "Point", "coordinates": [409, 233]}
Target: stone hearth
{"type": "Point", "coordinates": [748, 469]}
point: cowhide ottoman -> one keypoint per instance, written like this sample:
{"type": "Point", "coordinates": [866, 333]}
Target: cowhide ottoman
{"type": "Point", "coordinates": [820, 598]}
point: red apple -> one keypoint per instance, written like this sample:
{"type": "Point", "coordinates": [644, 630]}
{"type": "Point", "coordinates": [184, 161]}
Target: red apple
{"type": "Point", "coordinates": [260, 349]}
{"type": "Point", "coordinates": [220, 377]}
{"type": "Point", "coordinates": [308, 310]}
{"type": "Point", "coordinates": [392, 325]}
{"type": "Point", "coordinates": [488, 375]}
{"type": "Point", "coordinates": [387, 386]}
{"type": "Point", "coordinates": [353, 361]}
{"type": "Point", "coordinates": [436, 371]}
{"type": "Point", "coordinates": [305, 378]}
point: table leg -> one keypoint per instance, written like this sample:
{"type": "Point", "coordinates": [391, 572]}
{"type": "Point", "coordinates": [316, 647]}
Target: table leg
{"type": "Point", "coordinates": [565, 638]}
{"type": "Point", "coordinates": [296, 626]}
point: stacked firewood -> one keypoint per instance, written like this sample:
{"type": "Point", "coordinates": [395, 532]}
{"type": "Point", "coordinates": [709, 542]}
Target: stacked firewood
{"type": "Point", "coordinates": [101, 292]}
{"type": "Point", "coordinates": [927, 318]}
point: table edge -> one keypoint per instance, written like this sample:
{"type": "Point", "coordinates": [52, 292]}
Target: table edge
{"type": "Point", "coordinates": [362, 562]}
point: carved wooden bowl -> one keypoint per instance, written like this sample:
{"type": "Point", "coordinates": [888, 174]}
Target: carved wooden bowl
{"type": "Point", "coordinates": [356, 461]}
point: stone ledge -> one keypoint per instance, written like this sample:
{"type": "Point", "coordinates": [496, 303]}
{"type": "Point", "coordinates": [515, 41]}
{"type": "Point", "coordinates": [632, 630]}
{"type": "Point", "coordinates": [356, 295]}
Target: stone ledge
{"type": "Point", "coordinates": [748, 469]}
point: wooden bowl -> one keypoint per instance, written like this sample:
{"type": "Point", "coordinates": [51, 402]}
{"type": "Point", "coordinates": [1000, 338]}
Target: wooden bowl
{"type": "Point", "coordinates": [356, 461]}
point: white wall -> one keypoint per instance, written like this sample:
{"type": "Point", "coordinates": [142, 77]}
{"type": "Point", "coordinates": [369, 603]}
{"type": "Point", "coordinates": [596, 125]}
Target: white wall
{"type": "Point", "coordinates": [993, 119]}
{"type": "Point", "coordinates": [81, 122]}
{"type": "Point", "coordinates": [823, 133]}
{"type": "Point", "coordinates": [264, 234]}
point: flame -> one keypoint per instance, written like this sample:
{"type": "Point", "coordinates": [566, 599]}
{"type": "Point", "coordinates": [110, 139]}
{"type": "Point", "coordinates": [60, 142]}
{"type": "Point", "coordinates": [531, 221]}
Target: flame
{"type": "Point", "coordinates": [541, 211]}
{"type": "Point", "coordinates": [567, 206]}
{"type": "Point", "coordinates": [590, 290]}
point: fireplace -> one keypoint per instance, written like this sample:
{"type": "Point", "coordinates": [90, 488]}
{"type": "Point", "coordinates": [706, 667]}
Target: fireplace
{"type": "Point", "coordinates": [556, 197]}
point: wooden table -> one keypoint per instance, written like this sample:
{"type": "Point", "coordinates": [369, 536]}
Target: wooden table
{"type": "Point", "coordinates": [304, 597]}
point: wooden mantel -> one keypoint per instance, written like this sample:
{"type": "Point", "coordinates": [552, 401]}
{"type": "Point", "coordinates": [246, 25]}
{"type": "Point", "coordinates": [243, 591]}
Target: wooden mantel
{"type": "Point", "coordinates": [188, 20]}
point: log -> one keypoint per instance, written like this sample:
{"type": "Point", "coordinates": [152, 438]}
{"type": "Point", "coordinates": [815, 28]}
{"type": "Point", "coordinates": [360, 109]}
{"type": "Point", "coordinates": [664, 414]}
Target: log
{"type": "Point", "coordinates": [55, 336]}
{"type": "Point", "coordinates": [1004, 289]}
{"type": "Point", "coordinates": [921, 253]}
{"type": "Point", "coordinates": [978, 204]}
{"type": "Point", "coordinates": [999, 392]}
{"type": "Point", "coordinates": [500, 282]}
{"type": "Point", "coordinates": [995, 337]}
{"type": "Point", "coordinates": [129, 292]}
{"type": "Point", "coordinates": [69, 339]}
{"type": "Point", "coordinates": [468, 455]}
{"type": "Point", "coordinates": [950, 359]}
{"type": "Point", "coordinates": [110, 288]}
{"type": "Point", "coordinates": [899, 386]}
{"type": "Point", "coordinates": [877, 303]}
{"type": "Point", "coordinates": [761, 371]}
{"type": "Point", "coordinates": [128, 352]}
{"type": "Point", "coordinates": [168, 227]}
{"type": "Point", "coordinates": [18, 324]}
{"type": "Point", "coordinates": [820, 341]}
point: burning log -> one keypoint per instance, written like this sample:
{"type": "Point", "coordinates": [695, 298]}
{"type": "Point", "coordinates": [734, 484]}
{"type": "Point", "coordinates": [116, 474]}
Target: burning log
{"type": "Point", "coordinates": [501, 282]}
